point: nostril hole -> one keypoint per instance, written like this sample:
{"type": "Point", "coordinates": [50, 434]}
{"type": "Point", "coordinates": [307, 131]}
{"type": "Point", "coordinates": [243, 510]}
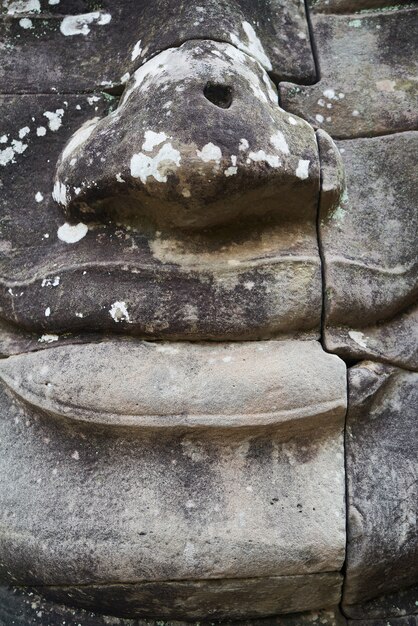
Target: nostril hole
{"type": "Point", "coordinates": [220, 95]}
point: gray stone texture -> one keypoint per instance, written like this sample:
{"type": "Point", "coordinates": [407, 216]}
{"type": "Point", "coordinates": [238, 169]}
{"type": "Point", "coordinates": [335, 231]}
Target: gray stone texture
{"type": "Point", "coordinates": [398, 604]}
{"type": "Point", "coordinates": [82, 46]}
{"type": "Point", "coordinates": [210, 599]}
{"type": "Point", "coordinates": [368, 232]}
{"type": "Point", "coordinates": [152, 188]}
{"type": "Point", "coordinates": [355, 6]}
{"type": "Point", "coordinates": [26, 608]}
{"type": "Point", "coordinates": [407, 620]}
{"type": "Point", "coordinates": [381, 449]}
{"type": "Point", "coordinates": [368, 69]}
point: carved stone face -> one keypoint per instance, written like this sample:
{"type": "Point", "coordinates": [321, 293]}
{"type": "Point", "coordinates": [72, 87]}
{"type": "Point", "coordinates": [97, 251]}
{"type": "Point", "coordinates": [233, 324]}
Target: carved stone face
{"type": "Point", "coordinates": [208, 244]}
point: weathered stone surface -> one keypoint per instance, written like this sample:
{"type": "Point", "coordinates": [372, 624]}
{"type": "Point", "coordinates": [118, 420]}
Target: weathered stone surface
{"type": "Point", "coordinates": [23, 608]}
{"type": "Point", "coordinates": [215, 599]}
{"type": "Point", "coordinates": [399, 604]}
{"type": "Point", "coordinates": [77, 46]}
{"type": "Point", "coordinates": [83, 504]}
{"type": "Point", "coordinates": [150, 158]}
{"type": "Point", "coordinates": [368, 86]}
{"type": "Point", "coordinates": [355, 6]}
{"type": "Point", "coordinates": [382, 472]}
{"type": "Point", "coordinates": [227, 284]}
{"type": "Point", "coordinates": [368, 234]}
{"type": "Point", "coordinates": [408, 620]}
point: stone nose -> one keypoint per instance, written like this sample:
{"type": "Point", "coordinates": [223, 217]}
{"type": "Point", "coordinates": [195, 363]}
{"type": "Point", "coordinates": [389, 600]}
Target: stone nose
{"type": "Point", "coordinates": [198, 140]}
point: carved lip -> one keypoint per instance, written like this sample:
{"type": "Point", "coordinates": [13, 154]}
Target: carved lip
{"type": "Point", "coordinates": [144, 384]}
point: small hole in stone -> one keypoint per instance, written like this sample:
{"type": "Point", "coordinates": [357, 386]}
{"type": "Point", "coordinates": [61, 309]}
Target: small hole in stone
{"type": "Point", "coordinates": [220, 95]}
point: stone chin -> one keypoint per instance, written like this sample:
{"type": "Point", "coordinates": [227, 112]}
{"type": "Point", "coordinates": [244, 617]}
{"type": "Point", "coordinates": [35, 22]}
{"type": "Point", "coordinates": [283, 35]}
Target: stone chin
{"type": "Point", "coordinates": [173, 478]}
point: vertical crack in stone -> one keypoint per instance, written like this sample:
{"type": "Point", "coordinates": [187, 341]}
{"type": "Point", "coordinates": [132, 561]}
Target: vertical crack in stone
{"type": "Point", "coordinates": [312, 41]}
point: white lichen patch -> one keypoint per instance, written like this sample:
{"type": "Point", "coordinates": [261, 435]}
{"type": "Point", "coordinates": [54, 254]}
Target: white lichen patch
{"type": "Point", "coordinates": [136, 50]}
{"type": "Point", "coordinates": [338, 215]}
{"type": "Point", "coordinates": [71, 233]}
{"type": "Point", "coordinates": [302, 170]}
{"type": "Point", "coordinates": [50, 282]}
{"type": "Point", "coordinates": [243, 145]}
{"type": "Point", "coordinates": [92, 100]}
{"type": "Point", "coordinates": [330, 94]}
{"type": "Point", "coordinates": [59, 193]}
{"type": "Point", "coordinates": [26, 23]}
{"type": "Point", "coordinates": [358, 338]}
{"type": "Point", "coordinates": [38, 196]}
{"type": "Point", "coordinates": [355, 23]}
{"type": "Point", "coordinates": [210, 152]}
{"type": "Point", "coordinates": [41, 131]}
{"type": "Point", "coordinates": [3, 139]}
{"type": "Point", "coordinates": [272, 159]}
{"type": "Point", "coordinates": [48, 338]}
{"type": "Point", "coordinates": [152, 139]}
{"type": "Point", "coordinates": [8, 154]}
{"type": "Point", "coordinates": [80, 137]}
{"type": "Point", "coordinates": [355, 113]}
{"type": "Point", "coordinates": [47, 311]}
{"type": "Point", "coordinates": [144, 166]}
{"type": "Point", "coordinates": [278, 140]}
{"type": "Point", "coordinates": [271, 89]}
{"type": "Point", "coordinates": [319, 118]}
{"type": "Point", "coordinates": [80, 24]}
{"type": "Point", "coordinates": [23, 132]}
{"type": "Point", "coordinates": [231, 171]}
{"type": "Point", "coordinates": [119, 312]}
{"type": "Point", "coordinates": [18, 146]}
{"type": "Point", "coordinates": [15, 7]}
{"type": "Point", "coordinates": [54, 118]}
{"type": "Point", "coordinates": [253, 47]}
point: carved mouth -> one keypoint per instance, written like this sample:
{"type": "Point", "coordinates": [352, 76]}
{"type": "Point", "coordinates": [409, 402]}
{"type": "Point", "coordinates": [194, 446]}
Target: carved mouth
{"type": "Point", "coordinates": [128, 383]}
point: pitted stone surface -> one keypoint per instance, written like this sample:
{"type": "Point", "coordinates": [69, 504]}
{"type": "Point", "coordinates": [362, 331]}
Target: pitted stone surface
{"type": "Point", "coordinates": [382, 471]}
{"type": "Point", "coordinates": [81, 46]}
{"type": "Point", "coordinates": [368, 86]}
{"type": "Point", "coordinates": [368, 233]}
